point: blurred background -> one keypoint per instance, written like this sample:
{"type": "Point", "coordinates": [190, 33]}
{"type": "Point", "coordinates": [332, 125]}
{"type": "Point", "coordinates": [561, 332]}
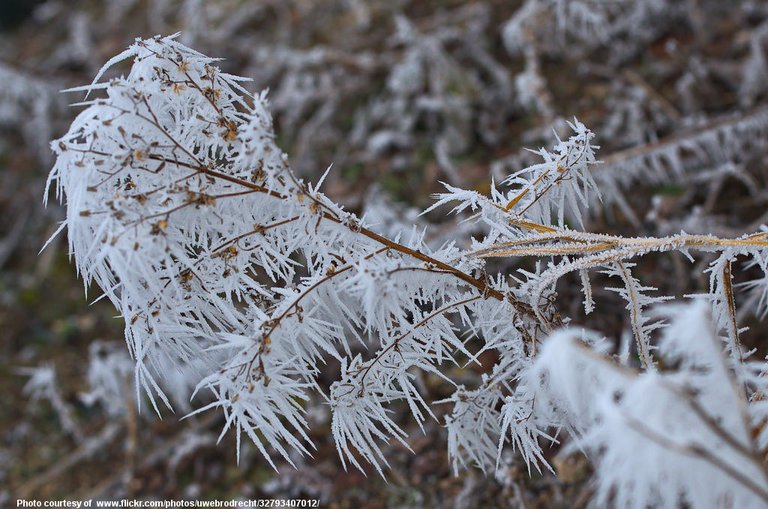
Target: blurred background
{"type": "Point", "coordinates": [398, 95]}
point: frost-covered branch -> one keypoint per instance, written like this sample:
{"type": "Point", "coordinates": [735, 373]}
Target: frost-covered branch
{"type": "Point", "coordinates": [231, 271]}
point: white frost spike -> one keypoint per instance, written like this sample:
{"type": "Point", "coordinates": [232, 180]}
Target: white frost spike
{"type": "Point", "coordinates": [656, 438]}
{"type": "Point", "coordinates": [561, 184]}
{"type": "Point", "coordinates": [635, 294]}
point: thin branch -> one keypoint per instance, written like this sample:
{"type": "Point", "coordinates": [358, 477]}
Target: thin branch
{"type": "Point", "coordinates": [700, 452]}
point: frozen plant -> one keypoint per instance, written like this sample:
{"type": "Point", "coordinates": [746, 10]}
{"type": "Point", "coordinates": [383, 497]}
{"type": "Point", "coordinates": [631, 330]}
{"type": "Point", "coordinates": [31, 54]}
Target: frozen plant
{"type": "Point", "coordinates": [29, 105]}
{"type": "Point", "coordinates": [185, 212]}
{"type": "Point", "coordinates": [43, 385]}
{"type": "Point", "coordinates": [658, 439]}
